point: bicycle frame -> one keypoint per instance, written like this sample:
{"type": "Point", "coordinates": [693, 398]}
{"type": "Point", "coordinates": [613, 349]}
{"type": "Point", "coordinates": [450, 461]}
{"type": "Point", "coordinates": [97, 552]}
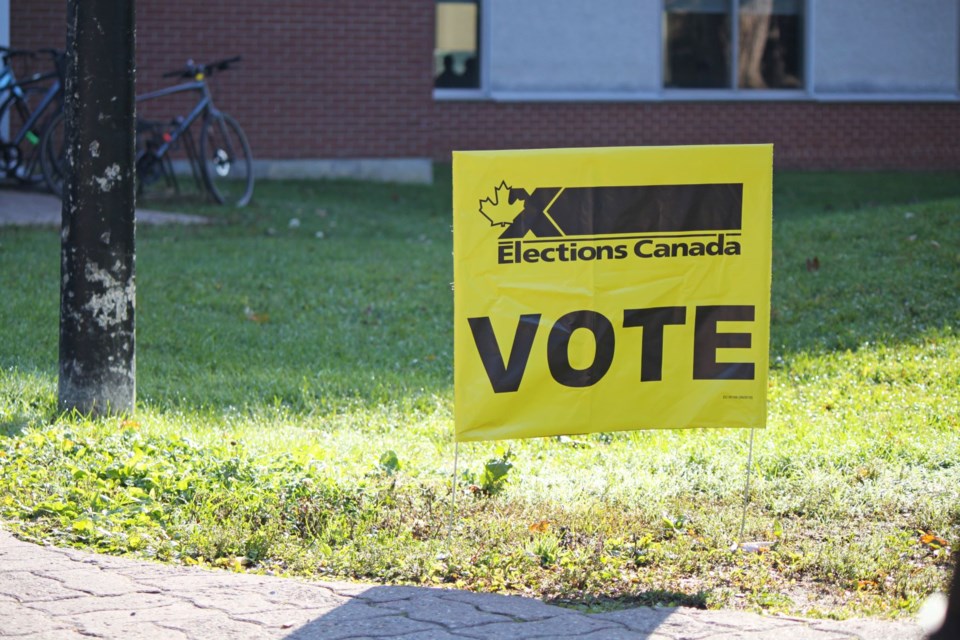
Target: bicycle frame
{"type": "Point", "coordinates": [203, 106]}
{"type": "Point", "coordinates": [155, 141]}
{"type": "Point", "coordinates": [15, 91]}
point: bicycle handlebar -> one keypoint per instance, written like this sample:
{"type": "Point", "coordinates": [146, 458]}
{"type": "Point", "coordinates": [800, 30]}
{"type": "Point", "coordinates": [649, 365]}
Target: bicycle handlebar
{"type": "Point", "coordinates": [198, 71]}
{"type": "Point", "coordinates": [57, 56]}
{"type": "Point", "coordinates": [7, 52]}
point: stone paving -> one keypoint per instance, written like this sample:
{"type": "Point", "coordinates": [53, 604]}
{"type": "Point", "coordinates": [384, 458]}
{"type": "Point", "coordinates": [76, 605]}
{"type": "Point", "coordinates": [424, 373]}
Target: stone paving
{"type": "Point", "coordinates": [53, 593]}
{"type": "Point", "coordinates": [24, 207]}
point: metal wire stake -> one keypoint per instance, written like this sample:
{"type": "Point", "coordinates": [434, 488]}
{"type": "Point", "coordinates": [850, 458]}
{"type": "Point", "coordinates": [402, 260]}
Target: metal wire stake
{"type": "Point", "coordinates": [453, 494]}
{"type": "Point", "coordinates": [746, 489]}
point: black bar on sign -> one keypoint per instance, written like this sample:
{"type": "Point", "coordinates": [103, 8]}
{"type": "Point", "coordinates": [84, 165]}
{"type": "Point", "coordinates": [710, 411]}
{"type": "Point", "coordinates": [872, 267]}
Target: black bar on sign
{"type": "Point", "coordinates": [551, 211]}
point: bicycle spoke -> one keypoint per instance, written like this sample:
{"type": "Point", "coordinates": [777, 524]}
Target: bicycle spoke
{"type": "Point", "coordinates": [53, 156]}
{"type": "Point", "coordinates": [225, 161]}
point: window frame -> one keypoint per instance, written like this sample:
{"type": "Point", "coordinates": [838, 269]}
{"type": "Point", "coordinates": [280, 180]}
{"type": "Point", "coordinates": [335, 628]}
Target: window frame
{"type": "Point", "coordinates": [806, 93]}
{"type": "Point", "coordinates": [479, 92]}
{"type": "Point", "coordinates": [732, 92]}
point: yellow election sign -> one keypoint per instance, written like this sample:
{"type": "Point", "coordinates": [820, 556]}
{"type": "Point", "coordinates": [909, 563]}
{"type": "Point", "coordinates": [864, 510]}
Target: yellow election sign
{"type": "Point", "coordinates": [610, 289]}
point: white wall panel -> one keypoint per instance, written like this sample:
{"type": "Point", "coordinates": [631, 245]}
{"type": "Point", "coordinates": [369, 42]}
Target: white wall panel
{"type": "Point", "coordinates": [885, 46]}
{"type": "Point", "coordinates": [574, 45]}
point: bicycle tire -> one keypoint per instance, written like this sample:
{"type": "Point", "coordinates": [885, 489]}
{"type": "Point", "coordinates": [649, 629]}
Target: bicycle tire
{"type": "Point", "coordinates": [53, 155]}
{"type": "Point", "coordinates": [225, 160]}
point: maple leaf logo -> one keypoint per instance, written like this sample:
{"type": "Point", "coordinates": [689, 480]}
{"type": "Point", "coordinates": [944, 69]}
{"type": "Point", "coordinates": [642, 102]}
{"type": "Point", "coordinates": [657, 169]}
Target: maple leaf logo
{"type": "Point", "coordinates": [499, 210]}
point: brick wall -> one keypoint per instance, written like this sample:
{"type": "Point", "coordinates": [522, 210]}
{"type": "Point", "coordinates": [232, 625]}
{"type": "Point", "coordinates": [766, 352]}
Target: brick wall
{"type": "Point", "coordinates": [806, 135]}
{"type": "Point", "coordinates": [352, 79]}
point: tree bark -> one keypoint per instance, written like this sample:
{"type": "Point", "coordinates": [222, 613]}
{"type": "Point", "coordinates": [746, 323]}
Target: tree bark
{"type": "Point", "coordinates": [97, 288]}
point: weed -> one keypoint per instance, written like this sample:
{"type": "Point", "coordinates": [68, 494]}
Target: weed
{"type": "Point", "coordinates": [295, 415]}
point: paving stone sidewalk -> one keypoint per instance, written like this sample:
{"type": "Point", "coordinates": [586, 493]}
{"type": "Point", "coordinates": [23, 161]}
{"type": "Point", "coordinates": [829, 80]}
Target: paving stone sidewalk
{"type": "Point", "coordinates": [52, 593]}
{"type": "Point", "coordinates": [23, 207]}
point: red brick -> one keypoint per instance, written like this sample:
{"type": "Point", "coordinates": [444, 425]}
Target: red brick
{"type": "Point", "coordinates": [352, 78]}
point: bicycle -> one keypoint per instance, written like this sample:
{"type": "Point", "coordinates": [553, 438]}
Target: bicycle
{"type": "Point", "coordinates": [32, 104]}
{"type": "Point", "coordinates": [222, 160]}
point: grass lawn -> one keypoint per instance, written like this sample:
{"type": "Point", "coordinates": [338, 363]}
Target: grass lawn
{"type": "Point", "coordinates": [295, 414]}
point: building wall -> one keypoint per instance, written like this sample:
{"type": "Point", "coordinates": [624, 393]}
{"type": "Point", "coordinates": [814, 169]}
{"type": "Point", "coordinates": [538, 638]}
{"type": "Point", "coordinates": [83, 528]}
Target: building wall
{"type": "Point", "coordinates": [4, 41]}
{"type": "Point", "coordinates": [338, 78]}
{"type": "Point", "coordinates": [806, 135]}
{"type": "Point", "coordinates": [349, 79]}
{"type": "Point", "coordinates": [4, 22]}
{"type": "Point", "coordinates": [568, 45]}
{"type": "Point", "coordinates": [894, 46]}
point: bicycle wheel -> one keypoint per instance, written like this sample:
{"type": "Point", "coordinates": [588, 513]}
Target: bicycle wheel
{"type": "Point", "coordinates": [53, 155]}
{"type": "Point", "coordinates": [225, 160]}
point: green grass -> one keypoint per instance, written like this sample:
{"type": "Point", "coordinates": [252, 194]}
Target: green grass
{"type": "Point", "coordinates": [295, 414]}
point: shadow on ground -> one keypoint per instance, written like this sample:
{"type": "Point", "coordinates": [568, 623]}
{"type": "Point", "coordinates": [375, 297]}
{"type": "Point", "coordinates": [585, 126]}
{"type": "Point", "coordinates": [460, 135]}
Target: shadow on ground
{"type": "Point", "coordinates": [389, 612]}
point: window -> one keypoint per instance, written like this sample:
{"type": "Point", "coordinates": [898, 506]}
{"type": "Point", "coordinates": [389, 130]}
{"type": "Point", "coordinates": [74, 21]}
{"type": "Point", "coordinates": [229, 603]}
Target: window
{"type": "Point", "coordinates": [456, 56]}
{"type": "Point", "coordinates": [698, 52]}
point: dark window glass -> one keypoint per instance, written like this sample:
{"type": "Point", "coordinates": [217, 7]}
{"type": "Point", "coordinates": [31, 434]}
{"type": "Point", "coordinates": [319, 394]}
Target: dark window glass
{"type": "Point", "coordinates": [771, 44]}
{"type": "Point", "coordinates": [698, 38]}
{"type": "Point", "coordinates": [697, 42]}
{"type": "Point", "coordinates": [456, 55]}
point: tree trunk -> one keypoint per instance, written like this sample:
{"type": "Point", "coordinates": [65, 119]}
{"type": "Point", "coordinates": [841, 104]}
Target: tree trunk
{"type": "Point", "coordinates": [97, 290]}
